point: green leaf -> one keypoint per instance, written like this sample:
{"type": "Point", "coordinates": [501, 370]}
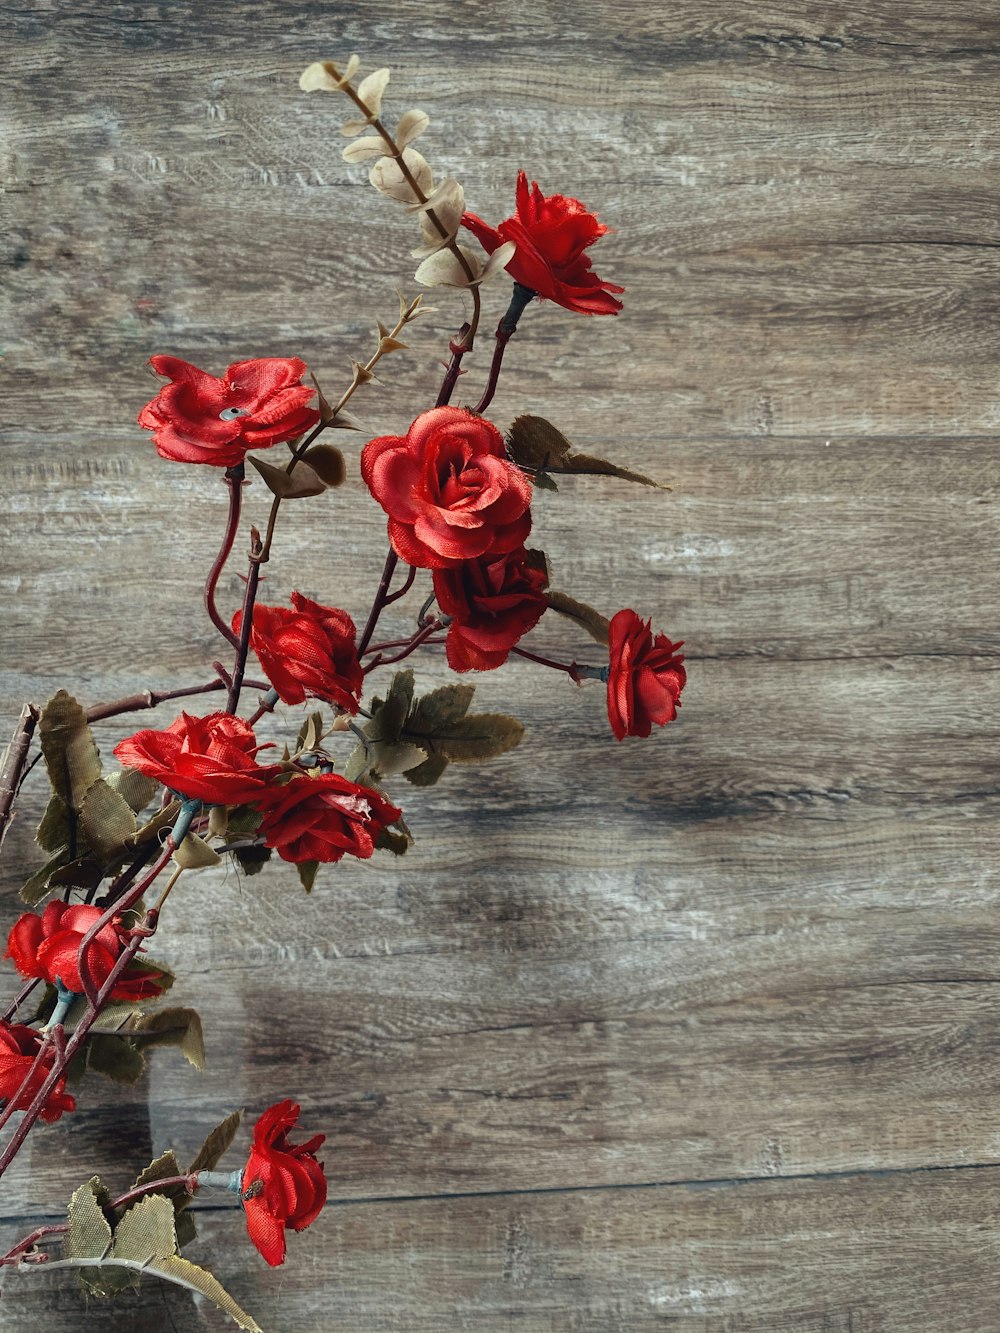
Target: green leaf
{"type": "Point", "coordinates": [294, 485]}
{"type": "Point", "coordinates": [216, 1143]}
{"type": "Point", "coordinates": [427, 773]}
{"type": "Point", "coordinates": [187, 1274]}
{"type": "Point", "coordinates": [396, 708]}
{"type": "Point", "coordinates": [37, 886]}
{"type": "Point", "coordinates": [115, 1057]}
{"type": "Point", "coordinates": [596, 625]}
{"type": "Point", "coordinates": [146, 1231]}
{"type": "Point", "coordinates": [171, 1027]}
{"type": "Point", "coordinates": [112, 1018]}
{"type": "Point", "coordinates": [83, 872]}
{"type": "Point", "coordinates": [133, 787]}
{"type": "Point", "coordinates": [160, 1168]}
{"type": "Point", "coordinates": [327, 462]}
{"type": "Point", "coordinates": [71, 756]}
{"type": "Point", "coordinates": [388, 760]}
{"type": "Point", "coordinates": [535, 444]}
{"type": "Point", "coordinates": [389, 840]}
{"type": "Point", "coordinates": [307, 874]}
{"type": "Point", "coordinates": [481, 736]}
{"type": "Point", "coordinates": [194, 853]}
{"type": "Point", "coordinates": [89, 1235]}
{"type": "Point", "coordinates": [356, 764]}
{"type": "Point", "coordinates": [142, 963]}
{"type": "Point", "coordinates": [106, 819]}
{"type": "Point", "coordinates": [184, 1227]}
{"type": "Point", "coordinates": [251, 860]}
{"type": "Point", "coordinates": [163, 819]}
{"type": "Point", "coordinates": [446, 704]}
{"type": "Point", "coordinates": [244, 819]}
{"type": "Point", "coordinates": [57, 828]}
{"type": "Point", "coordinates": [542, 481]}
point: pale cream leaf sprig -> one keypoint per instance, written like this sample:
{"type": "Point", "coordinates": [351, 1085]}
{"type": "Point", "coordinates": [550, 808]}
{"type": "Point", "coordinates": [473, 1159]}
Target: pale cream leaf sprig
{"type": "Point", "coordinates": [323, 76]}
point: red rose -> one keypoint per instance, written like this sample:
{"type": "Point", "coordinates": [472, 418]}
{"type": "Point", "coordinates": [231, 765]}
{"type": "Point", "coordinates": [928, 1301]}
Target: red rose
{"type": "Point", "coordinates": [48, 947]}
{"type": "Point", "coordinates": [307, 651]}
{"type": "Point", "coordinates": [18, 1047]}
{"type": "Point", "coordinates": [646, 677]}
{"type": "Point", "coordinates": [493, 602]}
{"type": "Point", "coordinates": [283, 1184]}
{"type": "Point", "coordinates": [199, 419]}
{"type": "Point", "coordinates": [323, 818]}
{"type": "Point", "coordinates": [551, 235]}
{"type": "Point", "coordinates": [208, 758]}
{"type": "Point", "coordinates": [449, 489]}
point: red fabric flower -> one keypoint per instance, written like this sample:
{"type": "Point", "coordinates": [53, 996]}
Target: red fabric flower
{"type": "Point", "coordinates": [211, 759]}
{"type": "Point", "coordinates": [449, 489]}
{"type": "Point", "coordinates": [283, 1184]}
{"type": "Point", "coordinates": [323, 818]}
{"type": "Point", "coordinates": [551, 234]}
{"type": "Point", "coordinates": [200, 419]}
{"type": "Point", "coordinates": [48, 946]}
{"type": "Point", "coordinates": [307, 651]}
{"type": "Point", "coordinates": [493, 602]}
{"type": "Point", "coordinates": [646, 677]}
{"type": "Point", "coordinates": [18, 1047]}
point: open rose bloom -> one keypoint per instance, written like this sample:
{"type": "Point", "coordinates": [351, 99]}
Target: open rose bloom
{"type": "Point", "coordinates": [493, 602]}
{"type": "Point", "coordinates": [19, 1045]}
{"type": "Point", "coordinates": [197, 418]}
{"type": "Point", "coordinates": [551, 233]}
{"type": "Point", "coordinates": [449, 489]}
{"type": "Point", "coordinates": [283, 1183]}
{"type": "Point", "coordinates": [307, 652]}
{"type": "Point", "coordinates": [48, 947]}
{"type": "Point", "coordinates": [645, 679]}
{"type": "Point", "coordinates": [323, 818]}
{"type": "Point", "coordinates": [210, 759]}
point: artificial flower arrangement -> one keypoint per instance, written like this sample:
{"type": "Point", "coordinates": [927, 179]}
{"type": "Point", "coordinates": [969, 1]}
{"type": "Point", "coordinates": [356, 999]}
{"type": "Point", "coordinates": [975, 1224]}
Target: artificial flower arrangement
{"type": "Point", "coordinates": [457, 493]}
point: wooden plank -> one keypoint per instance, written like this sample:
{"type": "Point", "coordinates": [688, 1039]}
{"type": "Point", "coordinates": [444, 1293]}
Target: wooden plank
{"type": "Point", "coordinates": [864, 1254]}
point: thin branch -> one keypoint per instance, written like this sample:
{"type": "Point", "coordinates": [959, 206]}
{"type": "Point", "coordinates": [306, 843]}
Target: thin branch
{"type": "Point", "coordinates": [234, 479]}
{"type": "Point", "coordinates": [14, 759]}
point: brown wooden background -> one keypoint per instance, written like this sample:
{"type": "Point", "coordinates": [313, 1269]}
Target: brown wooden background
{"type": "Point", "coordinates": [700, 1033]}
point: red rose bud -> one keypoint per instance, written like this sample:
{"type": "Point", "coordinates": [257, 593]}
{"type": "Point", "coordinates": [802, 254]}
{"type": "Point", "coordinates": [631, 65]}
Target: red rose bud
{"type": "Point", "coordinates": [200, 419]}
{"type": "Point", "coordinates": [19, 1046]}
{"type": "Point", "coordinates": [323, 818]}
{"type": "Point", "coordinates": [210, 759]}
{"type": "Point", "coordinates": [283, 1184]}
{"type": "Point", "coordinates": [551, 234]}
{"type": "Point", "coordinates": [309, 651]}
{"type": "Point", "coordinates": [646, 677]}
{"type": "Point", "coordinates": [48, 947]}
{"type": "Point", "coordinates": [449, 489]}
{"type": "Point", "coordinates": [493, 602]}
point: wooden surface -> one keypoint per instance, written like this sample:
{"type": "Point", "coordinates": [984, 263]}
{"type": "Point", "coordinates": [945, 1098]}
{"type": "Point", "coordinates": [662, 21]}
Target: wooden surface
{"type": "Point", "coordinates": [697, 1033]}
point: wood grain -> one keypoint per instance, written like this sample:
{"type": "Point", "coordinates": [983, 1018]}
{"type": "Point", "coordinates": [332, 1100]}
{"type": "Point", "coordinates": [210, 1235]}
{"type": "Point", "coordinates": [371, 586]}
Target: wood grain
{"type": "Point", "coordinates": [697, 1032]}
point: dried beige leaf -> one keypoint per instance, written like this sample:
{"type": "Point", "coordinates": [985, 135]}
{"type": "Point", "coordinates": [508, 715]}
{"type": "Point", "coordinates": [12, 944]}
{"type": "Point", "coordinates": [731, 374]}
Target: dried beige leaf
{"type": "Point", "coordinates": [444, 269]}
{"type": "Point", "coordinates": [371, 88]}
{"type": "Point", "coordinates": [351, 127]}
{"type": "Point", "coordinates": [388, 178]}
{"type": "Point", "coordinates": [362, 149]}
{"type": "Point", "coordinates": [411, 124]}
{"type": "Point", "coordinates": [447, 200]}
{"type": "Point", "coordinates": [323, 76]}
{"type": "Point", "coordinates": [498, 261]}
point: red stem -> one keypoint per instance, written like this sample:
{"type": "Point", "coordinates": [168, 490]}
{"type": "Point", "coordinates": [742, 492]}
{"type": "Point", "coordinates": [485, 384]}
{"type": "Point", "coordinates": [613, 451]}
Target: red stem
{"type": "Point", "coordinates": [458, 349]}
{"type": "Point", "coordinates": [246, 623]}
{"type": "Point", "coordinates": [14, 760]}
{"type": "Point", "coordinates": [391, 561]}
{"type": "Point", "coordinates": [571, 668]}
{"type": "Point", "coordinates": [422, 636]}
{"type": "Point", "coordinates": [234, 479]}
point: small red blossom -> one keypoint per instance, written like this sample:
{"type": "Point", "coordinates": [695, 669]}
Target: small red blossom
{"type": "Point", "coordinates": [210, 759]}
{"type": "Point", "coordinates": [493, 602]}
{"type": "Point", "coordinates": [551, 234]}
{"type": "Point", "coordinates": [449, 489]}
{"type": "Point", "coordinates": [646, 677]}
{"type": "Point", "coordinates": [48, 947]}
{"type": "Point", "coordinates": [308, 651]}
{"type": "Point", "coordinates": [283, 1183]}
{"type": "Point", "coordinates": [323, 818]}
{"type": "Point", "coordinates": [19, 1045]}
{"type": "Point", "coordinates": [200, 419]}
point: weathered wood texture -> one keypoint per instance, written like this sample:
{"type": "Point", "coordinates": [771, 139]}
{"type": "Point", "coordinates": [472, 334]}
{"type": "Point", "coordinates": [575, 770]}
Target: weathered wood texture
{"type": "Point", "coordinates": [697, 1032]}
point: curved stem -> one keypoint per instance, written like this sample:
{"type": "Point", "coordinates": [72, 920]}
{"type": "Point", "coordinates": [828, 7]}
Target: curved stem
{"type": "Point", "coordinates": [505, 331]}
{"type": "Point", "coordinates": [391, 561]}
{"type": "Point", "coordinates": [422, 636]}
{"type": "Point", "coordinates": [577, 671]}
{"type": "Point", "coordinates": [234, 479]}
{"type": "Point", "coordinates": [14, 760]}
